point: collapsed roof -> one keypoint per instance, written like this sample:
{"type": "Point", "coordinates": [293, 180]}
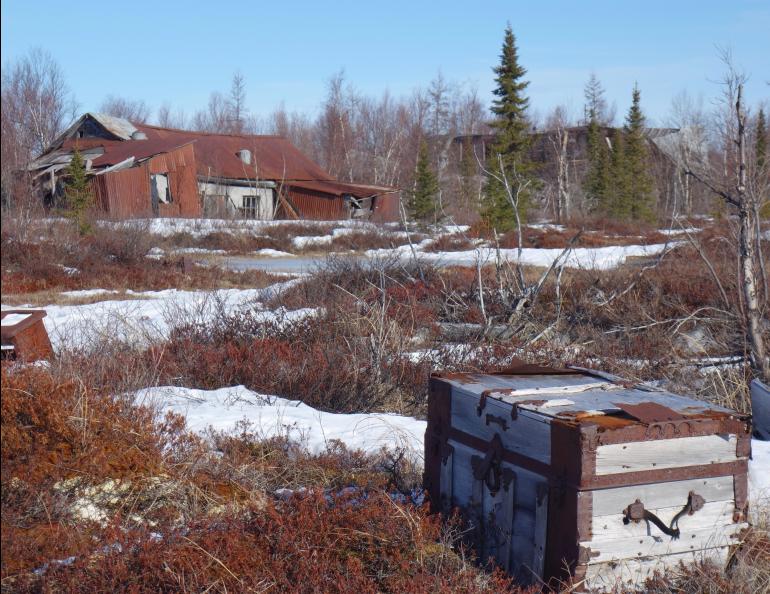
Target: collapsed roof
{"type": "Point", "coordinates": [107, 141]}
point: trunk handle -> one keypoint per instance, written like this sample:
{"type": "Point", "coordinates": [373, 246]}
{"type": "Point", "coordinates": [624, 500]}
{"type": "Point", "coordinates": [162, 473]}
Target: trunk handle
{"type": "Point", "coordinates": [636, 512]}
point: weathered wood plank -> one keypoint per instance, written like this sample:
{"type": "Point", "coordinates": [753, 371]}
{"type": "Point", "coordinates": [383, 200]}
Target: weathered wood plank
{"type": "Point", "coordinates": [541, 524]}
{"type": "Point", "coordinates": [657, 495]}
{"type": "Point", "coordinates": [717, 514]}
{"type": "Point", "coordinates": [462, 476]}
{"type": "Point", "coordinates": [665, 453]}
{"type": "Point", "coordinates": [645, 546]}
{"type": "Point", "coordinates": [447, 482]}
{"type": "Point", "coordinates": [632, 573]}
{"type": "Point", "coordinates": [502, 521]}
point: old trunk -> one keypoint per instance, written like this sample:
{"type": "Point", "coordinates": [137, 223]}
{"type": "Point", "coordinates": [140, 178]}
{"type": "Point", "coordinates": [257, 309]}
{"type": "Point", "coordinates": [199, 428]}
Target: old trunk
{"type": "Point", "coordinates": [570, 474]}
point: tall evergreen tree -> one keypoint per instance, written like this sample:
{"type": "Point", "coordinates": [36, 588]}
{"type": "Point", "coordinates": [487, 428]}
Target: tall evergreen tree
{"type": "Point", "coordinates": [639, 194]}
{"type": "Point", "coordinates": [614, 201]}
{"type": "Point", "coordinates": [77, 193]}
{"type": "Point", "coordinates": [423, 201]}
{"type": "Point", "coordinates": [760, 142]}
{"type": "Point", "coordinates": [509, 158]}
{"type": "Point", "coordinates": [762, 165]}
{"type": "Point", "coordinates": [596, 182]}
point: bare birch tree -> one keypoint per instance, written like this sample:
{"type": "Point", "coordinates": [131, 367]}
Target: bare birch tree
{"type": "Point", "coordinates": [133, 110]}
{"type": "Point", "coordinates": [729, 180]}
{"type": "Point", "coordinates": [168, 118]}
{"type": "Point", "coordinates": [558, 137]}
{"type": "Point", "coordinates": [36, 106]}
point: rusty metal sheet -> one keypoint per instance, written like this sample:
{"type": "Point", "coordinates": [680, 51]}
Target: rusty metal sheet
{"type": "Point", "coordinates": [273, 157]}
{"type": "Point", "coordinates": [386, 208]}
{"type": "Point", "coordinates": [311, 204]}
{"type": "Point", "coordinates": [119, 151]}
{"type": "Point", "coordinates": [126, 193]}
{"type": "Point", "coordinates": [649, 412]}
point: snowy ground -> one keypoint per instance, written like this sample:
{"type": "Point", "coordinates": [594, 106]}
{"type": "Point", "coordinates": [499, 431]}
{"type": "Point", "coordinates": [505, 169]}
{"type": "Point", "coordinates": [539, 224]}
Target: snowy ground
{"type": "Point", "coordinates": [759, 473]}
{"type": "Point", "coordinates": [601, 258]}
{"type": "Point", "coordinates": [148, 316]}
{"type": "Point", "coordinates": [588, 258]}
{"type": "Point", "coordinates": [272, 416]}
{"type": "Point", "coordinates": [165, 227]}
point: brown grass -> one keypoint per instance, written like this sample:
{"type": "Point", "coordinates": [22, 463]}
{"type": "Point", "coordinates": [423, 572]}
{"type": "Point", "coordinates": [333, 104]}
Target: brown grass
{"type": "Point", "coordinates": [109, 259]}
{"type": "Point", "coordinates": [190, 517]}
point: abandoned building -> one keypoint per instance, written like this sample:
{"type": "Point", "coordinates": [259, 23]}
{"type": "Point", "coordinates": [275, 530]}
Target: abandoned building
{"type": "Point", "coordinates": [564, 151]}
{"type": "Point", "coordinates": [543, 142]}
{"type": "Point", "coordinates": [139, 170]}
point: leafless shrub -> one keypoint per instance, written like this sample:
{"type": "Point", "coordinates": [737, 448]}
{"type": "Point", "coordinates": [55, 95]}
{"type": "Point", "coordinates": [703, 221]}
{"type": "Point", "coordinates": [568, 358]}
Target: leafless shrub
{"type": "Point", "coordinates": [126, 244]}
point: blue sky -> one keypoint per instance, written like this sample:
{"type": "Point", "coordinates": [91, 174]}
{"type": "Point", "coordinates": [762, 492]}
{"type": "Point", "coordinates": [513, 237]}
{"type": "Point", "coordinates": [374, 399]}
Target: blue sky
{"type": "Point", "coordinates": [180, 51]}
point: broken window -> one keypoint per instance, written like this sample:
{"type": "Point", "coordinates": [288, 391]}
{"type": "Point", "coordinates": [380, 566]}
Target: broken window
{"type": "Point", "coordinates": [161, 191]}
{"type": "Point", "coordinates": [360, 207]}
{"type": "Point", "coordinates": [249, 207]}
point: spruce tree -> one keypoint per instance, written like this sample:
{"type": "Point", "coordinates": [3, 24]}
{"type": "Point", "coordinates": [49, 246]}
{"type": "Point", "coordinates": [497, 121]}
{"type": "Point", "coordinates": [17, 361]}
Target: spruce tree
{"type": "Point", "coordinates": [760, 158]}
{"type": "Point", "coordinates": [77, 193]}
{"type": "Point", "coordinates": [615, 200]}
{"type": "Point", "coordinates": [423, 200]}
{"type": "Point", "coordinates": [639, 194]}
{"type": "Point", "coordinates": [510, 152]}
{"type": "Point", "coordinates": [760, 142]}
{"type": "Point", "coordinates": [596, 182]}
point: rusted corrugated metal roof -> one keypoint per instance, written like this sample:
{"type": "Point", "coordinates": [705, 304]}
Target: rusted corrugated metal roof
{"type": "Point", "coordinates": [272, 157]}
{"type": "Point", "coordinates": [117, 151]}
{"type": "Point", "coordinates": [340, 188]}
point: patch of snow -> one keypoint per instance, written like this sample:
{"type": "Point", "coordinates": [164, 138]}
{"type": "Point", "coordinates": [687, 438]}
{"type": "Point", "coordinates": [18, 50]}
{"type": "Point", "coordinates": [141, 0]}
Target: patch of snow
{"type": "Point", "coordinates": [304, 241]}
{"type": "Point", "coordinates": [759, 473]}
{"type": "Point", "coordinates": [156, 253]}
{"type": "Point", "coordinates": [270, 416]}
{"type": "Point", "coordinates": [166, 227]}
{"type": "Point", "coordinates": [79, 294]}
{"type": "Point", "coordinates": [308, 240]}
{"type": "Point", "coordinates": [69, 271]}
{"type": "Point", "coordinates": [451, 229]}
{"type": "Point", "coordinates": [195, 250]}
{"type": "Point", "coordinates": [271, 253]}
{"type": "Point", "coordinates": [547, 226]}
{"type": "Point", "coordinates": [678, 231]}
{"type": "Point", "coordinates": [152, 314]}
{"type": "Point", "coordinates": [601, 258]}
